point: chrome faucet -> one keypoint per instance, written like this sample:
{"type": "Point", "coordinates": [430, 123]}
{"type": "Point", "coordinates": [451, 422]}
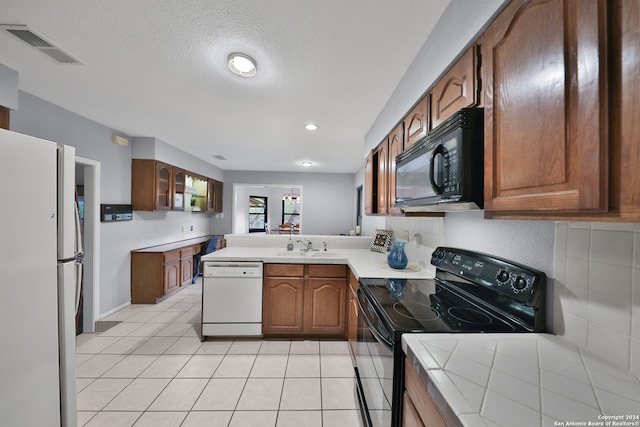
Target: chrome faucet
{"type": "Point", "coordinates": [307, 244]}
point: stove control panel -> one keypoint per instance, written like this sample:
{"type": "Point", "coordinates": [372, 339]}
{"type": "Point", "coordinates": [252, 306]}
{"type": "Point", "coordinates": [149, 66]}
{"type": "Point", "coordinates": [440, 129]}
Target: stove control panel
{"type": "Point", "coordinates": [509, 278]}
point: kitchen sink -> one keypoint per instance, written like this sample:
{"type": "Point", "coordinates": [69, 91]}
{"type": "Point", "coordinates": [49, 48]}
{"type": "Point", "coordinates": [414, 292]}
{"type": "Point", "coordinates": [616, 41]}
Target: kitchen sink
{"type": "Point", "coordinates": [323, 254]}
{"type": "Point", "coordinates": [310, 254]}
{"type": "Point", "coordinates": [290, 254]}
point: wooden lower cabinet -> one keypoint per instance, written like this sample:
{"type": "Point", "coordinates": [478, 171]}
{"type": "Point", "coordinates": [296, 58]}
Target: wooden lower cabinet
{"type": "Point", "coordinates": [304, 300]}
{"type": "Point", "coordinates": [352, 313]}
{"type": "Point", "coordinates": [418, 410]}
{"type": "Point", "coordinates": [324, 307]}
{"type": "Point", "coordinates": [186, 265]}
{"type": "Point", "coordinates": [171, 276]}
{"type": "Point", "coordinates": [282, 300]}
{"type": "Point", "coordinates": [159, 270]}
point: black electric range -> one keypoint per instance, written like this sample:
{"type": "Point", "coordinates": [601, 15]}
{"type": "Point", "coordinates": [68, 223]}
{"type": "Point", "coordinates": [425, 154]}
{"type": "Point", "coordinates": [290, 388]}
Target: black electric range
{"type": "Point", "coordinates": [471, 292]}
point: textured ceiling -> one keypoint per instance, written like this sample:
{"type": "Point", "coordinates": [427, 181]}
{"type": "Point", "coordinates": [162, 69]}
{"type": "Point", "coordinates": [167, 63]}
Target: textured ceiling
{"type": "Point", "coordinates": [158, 69]}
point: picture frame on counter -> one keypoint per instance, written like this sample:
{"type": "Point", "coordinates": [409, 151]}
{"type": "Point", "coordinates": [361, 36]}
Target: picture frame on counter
{"type": "Point", "coordinates": [381, 240]}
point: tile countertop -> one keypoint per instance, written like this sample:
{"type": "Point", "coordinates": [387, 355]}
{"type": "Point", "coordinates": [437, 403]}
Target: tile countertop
{"type": "Point", "coordinates": [522, 379]}
{"type": "Point", "coordinates": [363, 262]}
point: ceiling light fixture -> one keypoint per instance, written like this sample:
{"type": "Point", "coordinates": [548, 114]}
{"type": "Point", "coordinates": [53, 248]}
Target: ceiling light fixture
{"type": "Point", "coordinates": [306, 164]}
{"type": "Point", "coordinates": [292, 197]}
{"type": "Point", "coordinates": [311, 126]}
{"type": "Point", "coordinates": [242, 65]}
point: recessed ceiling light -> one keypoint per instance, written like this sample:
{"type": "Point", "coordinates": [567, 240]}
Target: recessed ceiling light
{"type": "Point", "coordinates": [242, 65]}
{"type": "Point", "coordinates": [311, 126]}
{"type": "Point", "coordinates": [306, 164]}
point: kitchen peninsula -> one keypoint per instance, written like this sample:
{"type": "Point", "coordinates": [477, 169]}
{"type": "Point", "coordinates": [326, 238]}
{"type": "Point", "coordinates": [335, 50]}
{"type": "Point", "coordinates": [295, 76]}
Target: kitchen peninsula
{"type": "Point", "coordinates": [352, 251]}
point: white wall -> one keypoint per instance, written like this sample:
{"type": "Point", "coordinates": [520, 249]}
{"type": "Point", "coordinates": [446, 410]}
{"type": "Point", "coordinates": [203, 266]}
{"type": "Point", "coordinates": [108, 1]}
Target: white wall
{"type": "Point", "coordinates": [92, 140]}
{"type": "Point", "coordinates": [273, 193]}
{"type": "Point", "coordinates": [328, 204]}
{"type": "Point", "coordinates": [597, 289]}
{"type": "Point", "coordinates": [460, 23]}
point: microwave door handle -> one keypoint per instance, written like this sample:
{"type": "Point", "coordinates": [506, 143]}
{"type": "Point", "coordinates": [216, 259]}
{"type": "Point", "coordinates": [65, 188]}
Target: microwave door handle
{"type": "Point", "coordinates": [437, 165]}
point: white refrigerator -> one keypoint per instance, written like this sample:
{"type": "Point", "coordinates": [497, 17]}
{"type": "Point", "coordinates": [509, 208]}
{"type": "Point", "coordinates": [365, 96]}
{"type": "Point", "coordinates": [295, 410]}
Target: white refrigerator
{"type": "Point", "coordinates": [40, 276]}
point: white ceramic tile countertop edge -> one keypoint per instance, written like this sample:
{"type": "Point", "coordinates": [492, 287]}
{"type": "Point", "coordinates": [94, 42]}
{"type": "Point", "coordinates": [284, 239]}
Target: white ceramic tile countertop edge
{"type": "Point", "coordinates": [363, 262]}
{"type": "Point", "coordinates": [523, 379]}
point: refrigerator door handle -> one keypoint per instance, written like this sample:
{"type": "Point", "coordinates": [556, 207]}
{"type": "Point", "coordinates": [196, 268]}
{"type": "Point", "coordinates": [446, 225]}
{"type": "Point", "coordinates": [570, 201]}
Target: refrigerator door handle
{"type": "Point", "coordinates": [79, 248]}
{"type": "Point", "coordinates": [78, 285]}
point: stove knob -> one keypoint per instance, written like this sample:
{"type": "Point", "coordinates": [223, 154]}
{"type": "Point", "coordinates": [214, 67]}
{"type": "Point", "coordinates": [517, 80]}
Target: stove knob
{"type": "Point", "coordinates": [519, 284]}
{"type": "Point", "coordinates": [502, 276]}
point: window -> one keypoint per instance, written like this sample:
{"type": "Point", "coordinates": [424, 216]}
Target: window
{"type": "Point", "coordinates": [291, 211]}
{"type": "Point", "coordinates": [257, 214]}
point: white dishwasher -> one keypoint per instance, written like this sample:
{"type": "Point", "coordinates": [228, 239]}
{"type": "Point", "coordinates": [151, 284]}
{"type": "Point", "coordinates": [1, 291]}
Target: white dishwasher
{"type": "Point", "coordinates": [232, 299]}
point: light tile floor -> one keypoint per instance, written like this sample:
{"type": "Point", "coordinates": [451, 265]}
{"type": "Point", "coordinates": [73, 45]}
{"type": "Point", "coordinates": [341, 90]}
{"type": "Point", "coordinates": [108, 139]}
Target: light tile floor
{"type": "Point", "coordinates": [152, 370]}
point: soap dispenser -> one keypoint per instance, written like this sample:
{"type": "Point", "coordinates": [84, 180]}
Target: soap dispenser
{"type": "Point", "coordinates": [290, 244]}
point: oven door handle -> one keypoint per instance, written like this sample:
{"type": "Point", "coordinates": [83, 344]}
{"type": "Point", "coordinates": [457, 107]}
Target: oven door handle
{"type": "Point", "coordinates": [372, 328]}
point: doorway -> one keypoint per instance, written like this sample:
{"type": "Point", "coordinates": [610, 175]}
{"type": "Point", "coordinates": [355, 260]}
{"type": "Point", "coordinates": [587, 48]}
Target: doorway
{"type": "Point", "coordinates": [88, 176]}
{"type": "Point", "coordinates": [273, 194]}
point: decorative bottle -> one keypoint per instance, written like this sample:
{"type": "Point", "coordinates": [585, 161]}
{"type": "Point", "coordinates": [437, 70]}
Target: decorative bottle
{"type": "Point", "coordinates": [397, 259]}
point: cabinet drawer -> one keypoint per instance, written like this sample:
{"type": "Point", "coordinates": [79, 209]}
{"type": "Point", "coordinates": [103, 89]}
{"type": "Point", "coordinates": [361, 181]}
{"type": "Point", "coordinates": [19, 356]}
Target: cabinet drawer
{"type": "Point", "coordinates": [284, 270]}
{"type": "Point", "coordinates": [327, 270]}
{"type": "Point", "coordinates": [171, 256]}
{"type": "Point", "coordinates": [186, 252]}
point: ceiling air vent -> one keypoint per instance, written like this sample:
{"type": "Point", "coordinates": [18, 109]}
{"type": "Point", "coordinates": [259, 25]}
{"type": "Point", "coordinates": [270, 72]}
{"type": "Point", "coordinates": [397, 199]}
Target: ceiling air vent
{"type": "Point", "coordinates": [32, 39]}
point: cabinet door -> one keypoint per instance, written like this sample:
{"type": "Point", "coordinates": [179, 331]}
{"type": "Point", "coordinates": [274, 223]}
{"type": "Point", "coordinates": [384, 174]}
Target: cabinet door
{"type": "Point", "coordinates": [180, 196]}
{"type": "Point", "coordinates": [383, 177]}
{"type": "Point", "coordinates": [416, 124]}
{"type": "Point", "coordinates": [171, 276]}
{"type": "Point", "coordinates": [325, 306]}
{"type": "Point", "coordinates": [282, 305]}
{"type": "Point", "coordinates": [186, 264]}
{"type": "Point", "coordinates": [186, 267]}
{"type": "Point", "coordinates": [352, 320]}
{"type": "Point", "coordinates": [457, 89]}
{"type": "Point", "coordinates": [546, 147]}
{"type": "Point", "coordinates": [426, 409]}
{"type": "Point", "coordinates": [627, 159]}
{"type": "Point", "coordinates": [214, 196]}
{"type": "Point", "coordinates": [410, 416]}
{"type": "Point", "coordinates": [395, 148]}
{"type": "Point", "coordinates": [369, 191]}
{"type": "Point", "coordinates": [163, 186]}
{"type": "Point", "coordinates": [4, 118]}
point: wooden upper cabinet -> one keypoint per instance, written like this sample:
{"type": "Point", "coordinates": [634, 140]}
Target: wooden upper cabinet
{"type": "Point", "coordinates": [625, 131]}
{"type": "Point", "coordinates": [457, 89]}
{"type": "Point", "coordinates": [160, 186]}
{"type": "Point", "coordinates": [395, 148]}
{"type": "Point", "coordinates": [369, 191]}
{"type": "Point", "coordinates": [4, 118]}
{"type": "Point", "coordinates": [151, 185]}
{"type": "Point", "coordinates": [417, 122]}
{"type": "Point", "coordinates": [179, 194]}
{"type": "Point", "coordinates": [164, 186]}
{"type": "Point", "coordinates": [546, 109]}
{"type": "Point", "coordinates": [214, 195]}
{"type": "Point", "coordinates": [383, 177]}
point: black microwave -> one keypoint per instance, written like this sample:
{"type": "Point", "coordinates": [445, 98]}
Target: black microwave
{"type": "Point", "coordinates": [445, 170]}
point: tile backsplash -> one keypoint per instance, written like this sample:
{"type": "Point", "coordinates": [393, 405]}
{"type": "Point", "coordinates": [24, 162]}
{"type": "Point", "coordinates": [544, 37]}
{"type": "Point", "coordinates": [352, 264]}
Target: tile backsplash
{"type": "Point", "coordinates": [597, 289]}
{"type": "Point", "coordinates": [423, 235]}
